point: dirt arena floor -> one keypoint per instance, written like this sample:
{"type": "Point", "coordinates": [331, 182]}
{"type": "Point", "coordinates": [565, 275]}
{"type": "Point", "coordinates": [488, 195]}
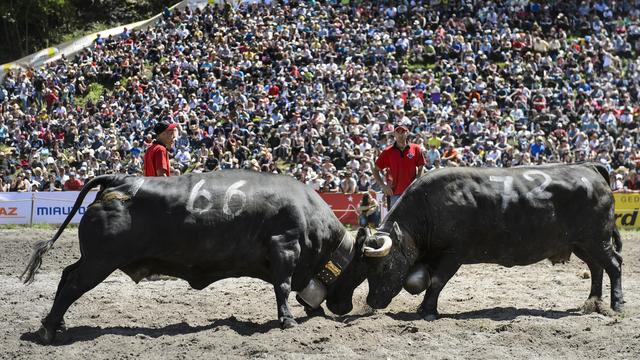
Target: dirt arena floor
{"type": "Point", "coordinates": [488, 312]}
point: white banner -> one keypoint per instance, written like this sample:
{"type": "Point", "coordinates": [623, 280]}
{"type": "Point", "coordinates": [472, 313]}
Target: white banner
{"type": "Point", "coordinates": [192, 4]}
{"type": "Point", "coordinates": [15, 208]}
{"type": "Point", "coordinates": [53, 207]}
{"type": "Point", "coordinates": [234, 3]}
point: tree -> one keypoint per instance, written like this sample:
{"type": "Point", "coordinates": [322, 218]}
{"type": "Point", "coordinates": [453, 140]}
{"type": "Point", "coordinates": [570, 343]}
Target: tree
{"type": "Point", "coordinates": [30, 25]}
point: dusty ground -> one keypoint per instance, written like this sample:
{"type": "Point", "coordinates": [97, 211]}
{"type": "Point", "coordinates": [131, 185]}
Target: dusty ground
{"type": "Point", "coordinates": [489, 312]}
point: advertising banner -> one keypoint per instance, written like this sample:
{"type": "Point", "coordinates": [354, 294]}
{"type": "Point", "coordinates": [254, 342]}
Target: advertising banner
{"type": "Point", "coordinates": [627, 205]}
{"type": "Point", "coordinates": [53, 207]}
{"type": "Point", "coordinates": [15, 208]}
{"type": "Point", "coordinates": [345, 206]}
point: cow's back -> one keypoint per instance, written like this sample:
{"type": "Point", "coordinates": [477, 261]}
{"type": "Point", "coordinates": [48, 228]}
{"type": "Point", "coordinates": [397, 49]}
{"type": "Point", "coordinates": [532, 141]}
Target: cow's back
{"type": "Point", "coordinates": [510, 216]}
{"type": "Point", "coordinates": [219, 222]}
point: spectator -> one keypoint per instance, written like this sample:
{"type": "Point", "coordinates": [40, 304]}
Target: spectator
{"type": "Point", "coordinates": [254, 166]}
{"type": "Point", "coordinates": [364, 182]}
{"type": "Point", "coordinates": [450, 155]}
{"type": "Point", "coordinates": [538, 148]}
{"type": "Point", "coordinates": [156, 158]}
{"type": "Point", "coordinates": [432, 155]}
{"type": "Point", "coordinates": [52, 184]}
{"type": "Point", "coordinates": [632, 183]}
{"type": "Point", "coordinates": [290, 79]}
{"type": "Point", "coordinates": [329, 184]}
{"type": "Point", "coordinates": [348, 184]}
{"type": "Point", "coordinates": [4, 187]}
{"type": "Point", "coordinates": [369, 211]}
{"type": "Point", "coordinates": [617, 184]}
{"type": "Point", "coordinates": [21, 183]}
{"type": "Point", "coordinates": [402, 162]}
{"type": "Point", "coordinates": [73, 183]}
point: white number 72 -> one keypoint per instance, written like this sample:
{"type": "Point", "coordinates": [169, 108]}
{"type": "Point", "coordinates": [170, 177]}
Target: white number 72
{"type": "Point", "coordinates": [537, 193]}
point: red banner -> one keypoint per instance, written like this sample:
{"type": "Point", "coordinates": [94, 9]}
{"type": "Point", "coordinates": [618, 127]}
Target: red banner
{"type": "Point", "coordinates": [345, 206]}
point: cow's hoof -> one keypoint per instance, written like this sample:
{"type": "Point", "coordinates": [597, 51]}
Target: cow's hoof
{"type": "Point", "coordinates": [46, 336]}
{"type": "Point", "coordinates": [430, 317]}
{"type": "Point", "coordinates": [287, 323]}
{"type": "Point", "coordinates": [594, 305]}
{"type": "Point", "coordinates": [617, 307]}
{"type": "Point", "coordinates": [314, 312]}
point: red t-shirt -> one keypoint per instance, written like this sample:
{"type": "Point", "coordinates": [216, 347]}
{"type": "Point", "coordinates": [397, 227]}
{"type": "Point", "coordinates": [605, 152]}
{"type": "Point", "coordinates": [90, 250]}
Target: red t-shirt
{"type": "Point", "coordinates": [274, 90]}
{"type": "Point", "coordinates": [401, 164]}
{"type": "Point", "coordinates": [73, 184]}
{"type": "Point", "coordinates": [156, 158]}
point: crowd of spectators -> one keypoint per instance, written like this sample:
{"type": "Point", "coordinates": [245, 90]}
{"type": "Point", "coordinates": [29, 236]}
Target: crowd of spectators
{"type": "Point", "coordinates": [314, 88]}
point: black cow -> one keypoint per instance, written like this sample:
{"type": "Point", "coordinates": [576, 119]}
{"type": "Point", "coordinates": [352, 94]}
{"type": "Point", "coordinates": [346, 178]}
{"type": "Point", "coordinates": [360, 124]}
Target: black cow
{"type": "Point", "coordinates": [207, 227]}
{"type": "Point", "coordinates": [515, 216]}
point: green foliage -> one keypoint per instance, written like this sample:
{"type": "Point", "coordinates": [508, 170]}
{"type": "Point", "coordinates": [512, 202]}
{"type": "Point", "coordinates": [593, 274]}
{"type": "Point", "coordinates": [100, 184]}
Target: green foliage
{"type": "Point", "coordinates": [420, 67]}
{"type": "Point", "coordinates": [147, 70]}
{"type": "Point", "coordinates": [89, 29]}
{"type": "Point", "coordinates": [51, 7]}
{"type": "Point", "coordinates": [95, 90]}
{"type": "Point", "coordinates": [27, 26]}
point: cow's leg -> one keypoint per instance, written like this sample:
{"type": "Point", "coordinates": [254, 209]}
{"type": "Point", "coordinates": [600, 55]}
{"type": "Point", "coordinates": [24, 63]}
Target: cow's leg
{"type": "Point", "coordinates": [595, 296]}
{"type": "Point", "coordinates": [443, 271]}
{"type": "Point", "coordinates": [613, 266]}
{"type": "Point", "coordinates": [605, 257]}
{"type": "Point", "coordinates": [63, 278]}
{"type": "Point", "coordinates": [82, 277]}
{"type": "Point", "coordinates": [285, 251]}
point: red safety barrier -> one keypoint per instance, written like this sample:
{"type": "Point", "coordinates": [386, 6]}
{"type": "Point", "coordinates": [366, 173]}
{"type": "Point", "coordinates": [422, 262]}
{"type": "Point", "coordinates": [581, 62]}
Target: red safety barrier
{"type": "Point", "coordinates": [345, 206]}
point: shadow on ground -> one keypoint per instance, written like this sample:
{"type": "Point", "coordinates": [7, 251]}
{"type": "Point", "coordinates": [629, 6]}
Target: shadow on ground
{"type": "Point", "coordinates": [90, 333]}
{"type": "Point", "coordinates": [496, 314]}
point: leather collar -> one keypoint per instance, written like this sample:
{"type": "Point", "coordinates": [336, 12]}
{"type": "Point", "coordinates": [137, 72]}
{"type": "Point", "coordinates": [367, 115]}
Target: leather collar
{"type": "Point", "coordinates": [339, 260]}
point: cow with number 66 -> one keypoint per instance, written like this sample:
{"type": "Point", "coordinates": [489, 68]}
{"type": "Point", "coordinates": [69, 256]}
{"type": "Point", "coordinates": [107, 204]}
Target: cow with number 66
{"type": "Point", "coordinates": [206, 227]}
{"type": "Point", "coordinates": [515, 216]}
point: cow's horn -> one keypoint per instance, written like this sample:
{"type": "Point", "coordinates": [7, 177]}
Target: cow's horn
{"type": "Point", "coordinates": [381, 252]}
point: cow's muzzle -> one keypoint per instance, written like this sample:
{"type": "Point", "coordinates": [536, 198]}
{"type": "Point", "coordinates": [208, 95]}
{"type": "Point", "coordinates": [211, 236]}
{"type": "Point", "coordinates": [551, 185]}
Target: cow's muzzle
{"type": "Point", "coordinates": [376, 302]}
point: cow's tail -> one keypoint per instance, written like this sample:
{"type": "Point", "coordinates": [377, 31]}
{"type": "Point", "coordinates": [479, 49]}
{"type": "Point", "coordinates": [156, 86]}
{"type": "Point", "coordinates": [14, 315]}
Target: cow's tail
{"type": "Point", "coordinates": [42, 247]}
{"type": "Point", "coordinates": [615, 234]}
{"type": "Point", "coordinates": [617, 244]}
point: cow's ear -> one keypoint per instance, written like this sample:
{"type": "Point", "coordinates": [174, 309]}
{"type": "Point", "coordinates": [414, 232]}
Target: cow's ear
{"type": "Point", "coordinates": [363, 233]}
{"type": "Point", "coordinates": [361, 236]}
{"type": "Point", "coordinates": [398, 232]}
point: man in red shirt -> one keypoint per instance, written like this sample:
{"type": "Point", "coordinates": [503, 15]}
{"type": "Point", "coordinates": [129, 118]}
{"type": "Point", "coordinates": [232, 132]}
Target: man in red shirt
{"type": "Point", "coordinates": [404, 163]}
{"type": "Point", "coordinates": [156, 159]}
{"type": "Point", "coordinates": [73, 183]}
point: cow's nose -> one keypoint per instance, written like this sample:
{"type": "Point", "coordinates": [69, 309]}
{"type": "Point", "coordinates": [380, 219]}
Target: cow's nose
{"type": "Point", "coordinates": [377, 302]}
{"type": "Point", "coordinates": [340, 308]}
